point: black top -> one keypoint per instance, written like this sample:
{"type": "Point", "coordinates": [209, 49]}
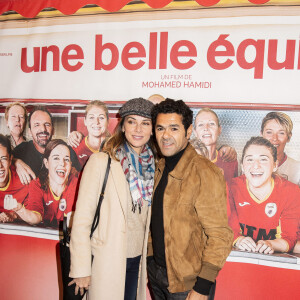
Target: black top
{"type": "Point", "coordinates": [27, 152]}
{"type": "Point", "coordinates": [157, 221]}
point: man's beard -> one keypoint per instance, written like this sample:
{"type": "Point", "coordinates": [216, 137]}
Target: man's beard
{"type": "Point", "coordinates": [43, 142]}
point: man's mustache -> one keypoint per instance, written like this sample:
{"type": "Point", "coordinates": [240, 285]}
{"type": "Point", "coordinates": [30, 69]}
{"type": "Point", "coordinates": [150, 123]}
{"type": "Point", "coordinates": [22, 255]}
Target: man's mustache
{"type": "Point", "coordinates": [44, 132]}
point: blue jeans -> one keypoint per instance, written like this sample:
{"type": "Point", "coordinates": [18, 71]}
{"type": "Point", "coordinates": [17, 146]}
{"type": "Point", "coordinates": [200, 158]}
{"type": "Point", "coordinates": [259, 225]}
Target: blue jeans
{"type": "Point", "coordinates": [131, 281]}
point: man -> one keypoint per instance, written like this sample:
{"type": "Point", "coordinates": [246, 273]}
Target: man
{"type": "Point", "coordinates": [16, 117]}
{"type": "Point", "coordinates": [29, 155]}
{"type": "Point", "coordinates": [190, 234]}
{"type": "Point", "coordinates": [10, 186]}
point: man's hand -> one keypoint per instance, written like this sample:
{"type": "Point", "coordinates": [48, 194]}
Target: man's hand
{"type": "Point", "coordinates": [82, 283]}
{"type": "Point", "coordinates": [74, 138]}
{"type": "Point", "coordinates": [227, 153]}
{"type": "Point", "coordinates": [196, 296]}
{"type": "Point", "coordinates": [246, 244]}
{"type": "Point", "coordinates": [264, 247]}
{"type": "Point", "coordinates": [24, 172]}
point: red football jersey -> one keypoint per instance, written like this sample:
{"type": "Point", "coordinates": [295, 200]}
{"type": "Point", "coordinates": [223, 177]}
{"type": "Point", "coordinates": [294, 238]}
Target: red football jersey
{"type": "Point", "coordinates": [14, 187]}
{"type": "Point", "coordinates": [49, 206]}
{"type": "Point", "coordinates": [83, 152]}
{"type": "Point", "coordinates": [275, 217]}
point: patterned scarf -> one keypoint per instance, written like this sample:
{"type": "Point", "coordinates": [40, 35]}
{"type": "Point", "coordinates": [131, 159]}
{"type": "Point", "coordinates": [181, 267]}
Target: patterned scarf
{"type": "Point", "coordinates": [139, 172]}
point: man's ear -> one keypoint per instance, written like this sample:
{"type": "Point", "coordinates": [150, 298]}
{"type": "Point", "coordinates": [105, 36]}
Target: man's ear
{"type": "Point", "coordinates": [189, 132]}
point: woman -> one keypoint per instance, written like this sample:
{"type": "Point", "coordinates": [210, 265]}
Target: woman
{"type": "Point", "coordinates": [52, 195]}
{"type": "Point", "coordinates": [265, 208]}
{"type": "Point", "coordinates": [16, 118]}
{"type": "Point", "coordinates": [96, 122]}
{"type": "Point", "coordinates": [208, 129]}
{"type": "Point", "coordinates": [277, 128]}
{"type": "Point", "coordinates": [119, 243]}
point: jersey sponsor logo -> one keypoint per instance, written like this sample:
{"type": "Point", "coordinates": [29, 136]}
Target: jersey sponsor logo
{"type": "Point", "coordinates": [244, 203]}
{"type": "Point", "coordinates": [82, 155]}
{"type": "Point", "coordinates": [271, 209]}
{"type": "Point", "coordinates": [48, 203]}
{"type": "Point", "coordinates": [262, 234]}
{"type": "Point", "coordinates": [62, 204]}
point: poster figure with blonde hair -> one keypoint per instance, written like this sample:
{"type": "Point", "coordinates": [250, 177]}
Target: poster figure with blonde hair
{"type": "Point", "coordinates": [96, 122]}
{"type": "Point", "coordinates": [16, 118]}
{"type": "Point", "coordinates": [264, 207]}
{"type": "Point", "coordinates": [207, 128]}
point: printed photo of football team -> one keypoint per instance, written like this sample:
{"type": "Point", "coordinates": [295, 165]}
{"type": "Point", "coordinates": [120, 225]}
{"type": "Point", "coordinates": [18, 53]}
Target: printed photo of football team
{"type": "Point", "coordinates": [40, 175]}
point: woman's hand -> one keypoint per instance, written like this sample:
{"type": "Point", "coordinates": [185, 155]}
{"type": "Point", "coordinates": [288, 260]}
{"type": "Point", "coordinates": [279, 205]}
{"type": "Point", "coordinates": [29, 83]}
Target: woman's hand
{"type": "Point", "coordinates": [82, 283]}
{"type": "Point", "coordinates": [74, 138]}
{"type": "Point", "coordinates": [227, 153]}
{"type": "Point", "coordinates": [264, 247]}
{"type": "Point", "coordinates": [246, 243]}
{"type": "Point", "coordinates": [6, 217]}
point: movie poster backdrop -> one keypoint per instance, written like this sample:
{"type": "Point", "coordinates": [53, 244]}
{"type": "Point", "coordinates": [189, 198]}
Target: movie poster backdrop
{"type": "Point", "coordinates": [243, 68]}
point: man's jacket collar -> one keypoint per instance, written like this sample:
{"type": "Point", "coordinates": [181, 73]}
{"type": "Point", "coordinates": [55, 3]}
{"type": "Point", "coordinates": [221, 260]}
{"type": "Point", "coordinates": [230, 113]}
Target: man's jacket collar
{"type": "Point", "coordinates": [180, 168]}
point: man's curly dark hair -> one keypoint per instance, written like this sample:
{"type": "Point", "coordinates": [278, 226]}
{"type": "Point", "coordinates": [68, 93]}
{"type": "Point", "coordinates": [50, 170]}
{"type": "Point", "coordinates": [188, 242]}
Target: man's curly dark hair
{"type": "Point", "coordinates": [170, 106]}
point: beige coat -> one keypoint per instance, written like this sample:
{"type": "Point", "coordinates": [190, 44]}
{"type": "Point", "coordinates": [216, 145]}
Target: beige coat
{"type": "Point", "coordinates": [109, 242]}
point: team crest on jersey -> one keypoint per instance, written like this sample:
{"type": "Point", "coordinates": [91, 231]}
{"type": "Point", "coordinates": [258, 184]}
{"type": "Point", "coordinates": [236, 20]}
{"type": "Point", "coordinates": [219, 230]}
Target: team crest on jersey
{"type": "Point", "coordinates": [271, 209]}
{"type": "Point", "coordinates": [62, 204]}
